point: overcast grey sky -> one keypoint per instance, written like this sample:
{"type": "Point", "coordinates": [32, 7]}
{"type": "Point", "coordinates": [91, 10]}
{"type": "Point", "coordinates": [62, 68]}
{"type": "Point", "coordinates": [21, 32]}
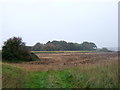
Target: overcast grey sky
{"type": "Point", "coordinates": [66, 20]}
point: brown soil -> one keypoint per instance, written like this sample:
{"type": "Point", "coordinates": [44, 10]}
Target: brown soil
{"type": "Point", "coordinates": [64, 60]}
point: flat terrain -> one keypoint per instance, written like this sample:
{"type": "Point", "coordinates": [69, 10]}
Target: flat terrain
{"type": "Point", "coordinates": [63, 70]}
{"type": "Point", "coordinates": [58, 61]}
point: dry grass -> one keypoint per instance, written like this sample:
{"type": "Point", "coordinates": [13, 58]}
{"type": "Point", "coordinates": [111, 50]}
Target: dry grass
{"type": "Point", "coordinates": [97, 70]}
{"type": "Point", "coordinates": [60, 61]}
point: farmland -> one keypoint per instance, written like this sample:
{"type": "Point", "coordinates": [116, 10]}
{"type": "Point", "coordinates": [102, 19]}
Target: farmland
{"type": "Point", "coordinates": [37, 52]}
{"type": "Point", "coordinates": [64, 69]}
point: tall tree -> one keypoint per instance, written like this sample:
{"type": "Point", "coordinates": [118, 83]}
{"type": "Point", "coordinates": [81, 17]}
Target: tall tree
{"type": "Point", "coordinates": [38, 47]}
{"type": "Point", "coordinates": [14, 49]}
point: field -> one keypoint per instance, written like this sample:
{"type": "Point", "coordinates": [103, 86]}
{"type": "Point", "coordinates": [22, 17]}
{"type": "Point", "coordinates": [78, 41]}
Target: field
{"type": "Point", "coordinates": [37, 52]}
{"type": "Point", "coordinates": [64, 70]}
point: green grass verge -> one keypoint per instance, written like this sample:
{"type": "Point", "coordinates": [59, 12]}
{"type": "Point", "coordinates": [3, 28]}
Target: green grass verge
{"type": "Point", "coordinates": [12, 77]}
{"type": "Point", "coordinates": [86, 76]}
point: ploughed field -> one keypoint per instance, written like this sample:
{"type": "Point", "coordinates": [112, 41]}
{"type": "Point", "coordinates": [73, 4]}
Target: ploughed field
{"type": "Point", "coordinates": [58, 61]}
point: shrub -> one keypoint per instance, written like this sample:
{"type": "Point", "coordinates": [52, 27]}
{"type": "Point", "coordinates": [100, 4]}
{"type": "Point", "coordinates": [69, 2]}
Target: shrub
{"type": "Point", "coordinates": [105, 50]}
{"type": "Point", "coordinates": [15, 50]}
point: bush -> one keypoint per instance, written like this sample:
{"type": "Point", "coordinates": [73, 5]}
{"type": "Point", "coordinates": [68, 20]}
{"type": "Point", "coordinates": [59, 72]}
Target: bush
{"type": "Point", "coordinates": [105, 50]}
{"type": "Point", "coordinates": [15, 50]}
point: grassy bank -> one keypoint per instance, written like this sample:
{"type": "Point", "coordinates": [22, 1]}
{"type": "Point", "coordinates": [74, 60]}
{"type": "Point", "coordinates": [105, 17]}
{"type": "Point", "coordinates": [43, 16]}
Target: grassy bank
{"type": "Point", "coordinates": [102, 75]}
{"type": "Point", "coordinates": [12, 77]}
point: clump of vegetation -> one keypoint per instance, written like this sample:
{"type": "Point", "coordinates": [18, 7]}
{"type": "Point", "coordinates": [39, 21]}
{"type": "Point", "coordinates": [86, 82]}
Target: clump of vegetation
{"type": "Point", "coordinates": [105, 50]}
{"type": "Point", "coordinates": [15, 50]}
{"type": "Point", "coordinates": [63, 46]}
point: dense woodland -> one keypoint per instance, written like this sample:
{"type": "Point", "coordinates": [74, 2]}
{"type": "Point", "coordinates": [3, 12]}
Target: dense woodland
{"type": "Point", "coordinates": [63, 46]}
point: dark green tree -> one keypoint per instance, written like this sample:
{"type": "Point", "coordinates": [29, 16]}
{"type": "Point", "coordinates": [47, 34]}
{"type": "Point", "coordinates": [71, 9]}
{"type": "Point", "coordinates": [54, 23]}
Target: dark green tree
{"type": "Point", "coordinates": [88, 46]}
{"type": "Point", "coordinates": [38, 47]}
{"type": "Point", "coordinates": [105, 50]}
{"type": "Point", "coordinates": [14, 50]}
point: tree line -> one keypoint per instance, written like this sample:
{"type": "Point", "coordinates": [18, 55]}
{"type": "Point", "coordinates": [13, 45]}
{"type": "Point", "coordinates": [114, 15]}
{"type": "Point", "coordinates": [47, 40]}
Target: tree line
{"type": "Point", "coordinates": [63, 46]}
{"type": "Point", "coordinates": [16, 50]}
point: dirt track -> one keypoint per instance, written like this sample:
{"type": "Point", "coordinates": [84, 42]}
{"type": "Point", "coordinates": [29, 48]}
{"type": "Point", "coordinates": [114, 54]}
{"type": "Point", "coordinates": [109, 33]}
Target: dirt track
{"type": "Point", "coordinates": [65, 60]}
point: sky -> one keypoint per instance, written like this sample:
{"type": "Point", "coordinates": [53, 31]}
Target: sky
{"type": "Point", "coordinates": [69, 20]}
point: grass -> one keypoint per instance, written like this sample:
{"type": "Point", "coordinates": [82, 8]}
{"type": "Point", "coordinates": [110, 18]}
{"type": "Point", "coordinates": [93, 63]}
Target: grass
{"type": "Point", "coordinates": [102, 75]}
{"type": "Point", "coordinates": [12, 77]}
{"type": "Point", "coordinates": [37, 52]}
